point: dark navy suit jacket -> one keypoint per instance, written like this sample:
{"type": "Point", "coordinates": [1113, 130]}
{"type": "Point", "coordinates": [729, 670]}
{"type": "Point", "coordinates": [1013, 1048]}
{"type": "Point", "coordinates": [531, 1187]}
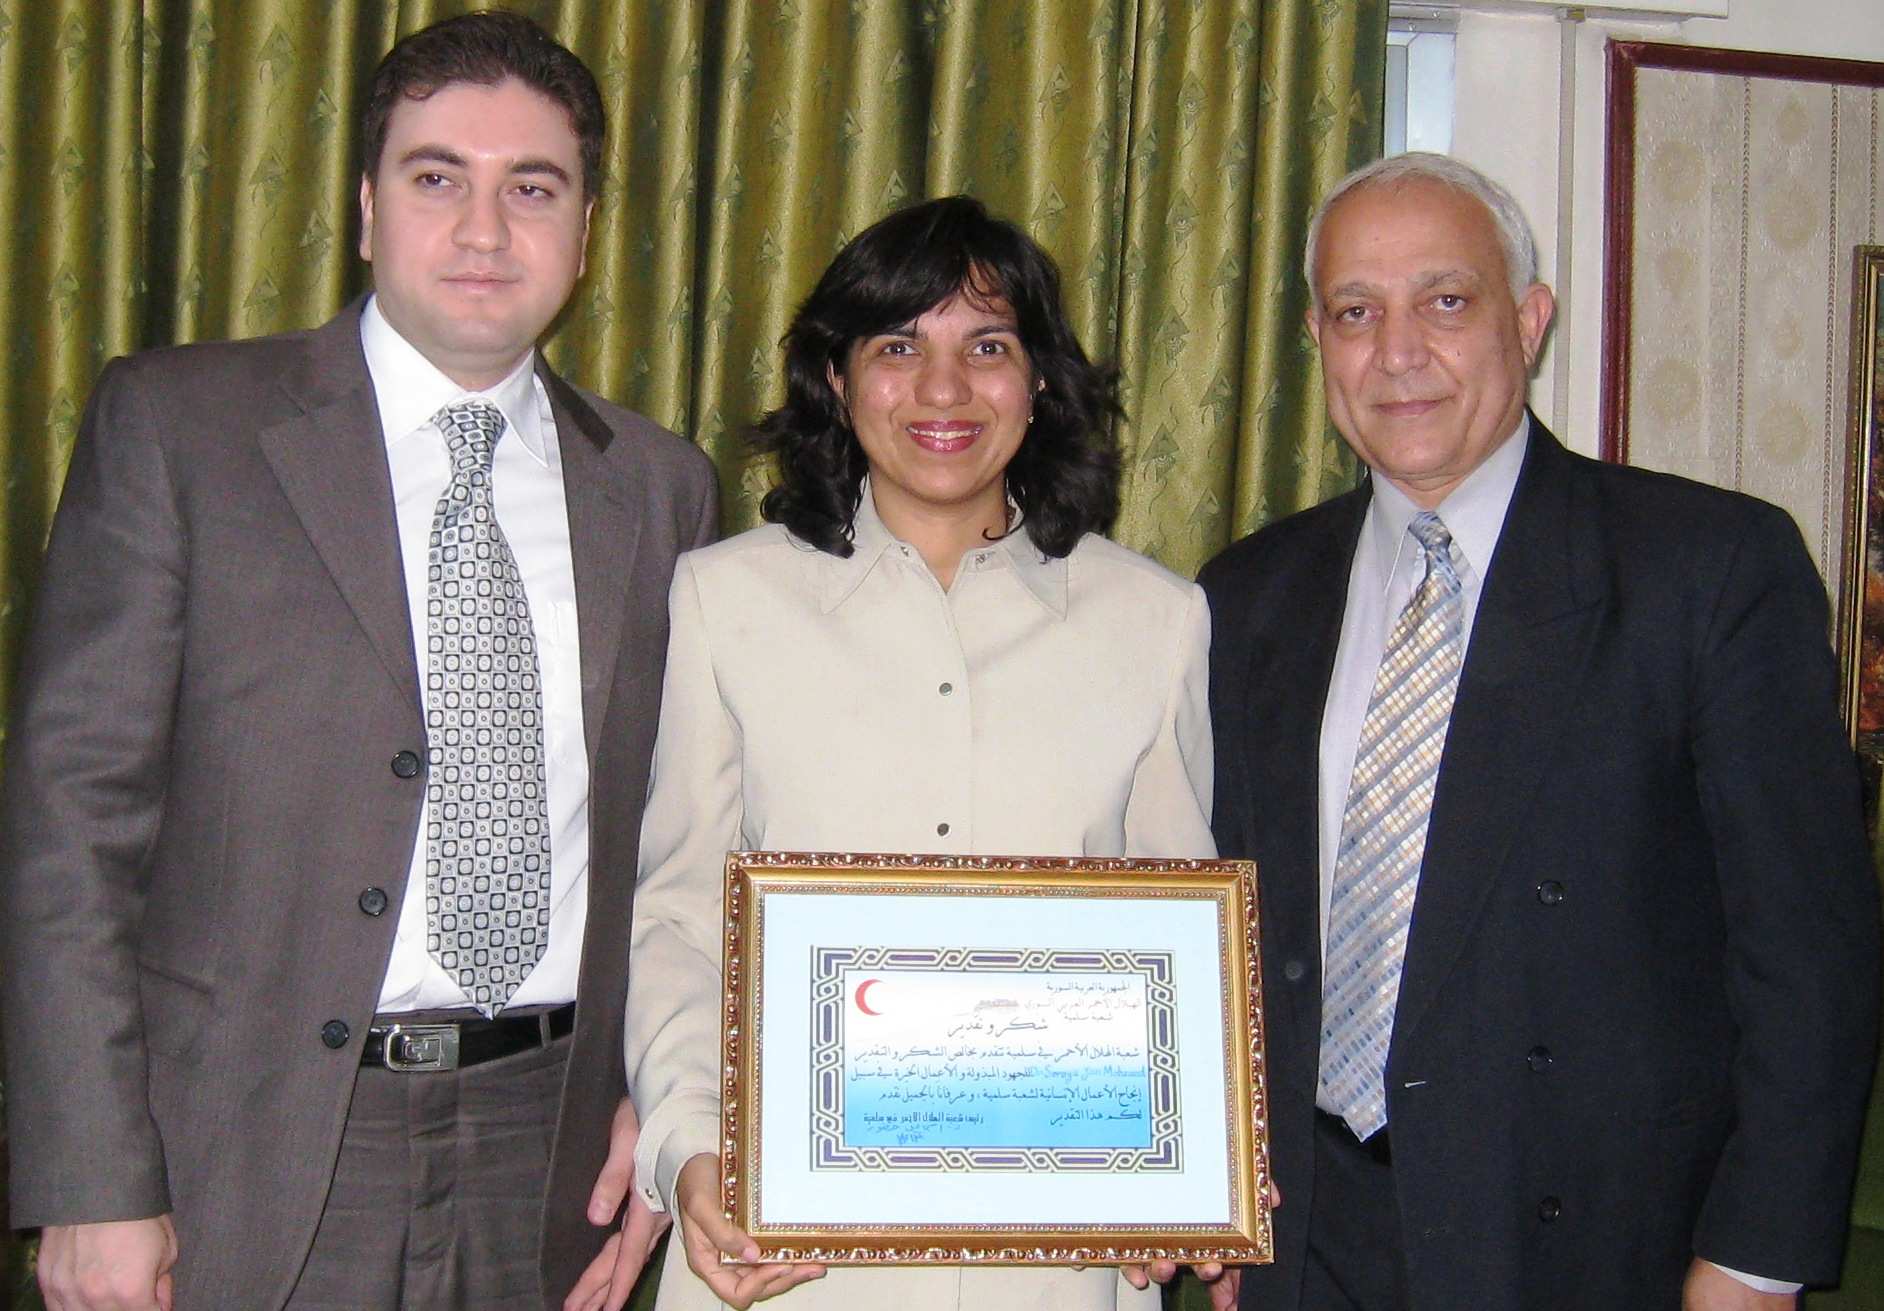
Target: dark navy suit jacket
{"type": "Point", "coordinates": [1639, 1004]}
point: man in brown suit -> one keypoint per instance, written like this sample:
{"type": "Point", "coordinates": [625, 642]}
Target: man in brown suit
{"type": "Point", "coordinates": [254, 1059]}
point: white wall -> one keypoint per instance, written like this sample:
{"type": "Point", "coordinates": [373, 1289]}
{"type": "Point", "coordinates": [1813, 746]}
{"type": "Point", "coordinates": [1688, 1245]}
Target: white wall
{"type": "Point", "coordinates": [1529, 110]}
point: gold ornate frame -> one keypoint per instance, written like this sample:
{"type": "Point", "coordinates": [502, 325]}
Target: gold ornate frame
{"type": "Point", "coordinates": [1860, 622]}
{"type": "Point", "coordinates": [752, 876]}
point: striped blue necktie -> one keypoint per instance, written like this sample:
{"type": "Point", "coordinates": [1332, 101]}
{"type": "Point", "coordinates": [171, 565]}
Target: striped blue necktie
{"type": "Point", "coordinates": [1383, 835]}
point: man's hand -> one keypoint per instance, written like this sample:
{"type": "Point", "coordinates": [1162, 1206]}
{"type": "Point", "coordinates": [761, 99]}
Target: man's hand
{"type": "Point", "coordinates": [117, 1265]}
{"type": "Point", "coordinates": [707, 1234]}
{"type": "Point", "coordinates": [610, 1278]}
{"type": "Point", "coordinates": [1223, 1281]}
{"type": "Point", "coordinates": [1709, 1288]}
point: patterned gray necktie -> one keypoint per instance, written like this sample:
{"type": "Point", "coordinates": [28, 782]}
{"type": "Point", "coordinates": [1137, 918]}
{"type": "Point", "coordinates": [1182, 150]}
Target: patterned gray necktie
{"type": "Point", "coordinates": [1383, 835]}
{"type": "Point", "coordinates": [487, 870]}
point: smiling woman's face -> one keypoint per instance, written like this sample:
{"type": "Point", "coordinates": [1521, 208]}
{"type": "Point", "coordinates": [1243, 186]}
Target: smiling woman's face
{"type": "Point", "coordinates": [940, 406]}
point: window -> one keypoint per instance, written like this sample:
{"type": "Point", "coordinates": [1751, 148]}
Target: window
{"type": "Point", "coordinates": [1419, 85]}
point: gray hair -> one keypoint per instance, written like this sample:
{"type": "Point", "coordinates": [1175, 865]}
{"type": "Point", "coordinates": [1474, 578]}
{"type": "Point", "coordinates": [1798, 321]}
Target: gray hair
{"type": "Point", "coordinates": [1514, 234]}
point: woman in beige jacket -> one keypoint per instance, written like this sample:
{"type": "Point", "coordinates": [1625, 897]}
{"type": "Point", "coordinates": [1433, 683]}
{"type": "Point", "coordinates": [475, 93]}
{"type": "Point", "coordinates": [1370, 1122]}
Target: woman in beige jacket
{"type": "Point", "coordinates": [928, 648]}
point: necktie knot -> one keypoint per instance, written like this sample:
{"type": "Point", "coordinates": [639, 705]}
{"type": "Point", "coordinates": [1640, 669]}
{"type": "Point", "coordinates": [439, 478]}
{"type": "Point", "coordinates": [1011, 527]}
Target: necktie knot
{"type": "Point", "coordinates": [471, 429]}
{"type": "Point", "coordinates": [1430, 531]}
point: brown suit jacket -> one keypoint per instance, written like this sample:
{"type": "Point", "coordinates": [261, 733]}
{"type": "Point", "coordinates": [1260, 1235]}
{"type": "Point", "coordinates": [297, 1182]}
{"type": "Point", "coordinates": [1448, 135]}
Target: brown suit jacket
{"type": "Point", "coordinates": [198, 790]}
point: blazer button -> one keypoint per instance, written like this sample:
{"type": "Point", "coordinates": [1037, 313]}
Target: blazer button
{"type": "Point", "coordinates": [942, 829]}
{"type": "Point", "coordinates": [335, 1033]}
{"type": "Point", "coordinates": [1294, 970]}
{"type": "Point", "coordinates": [1549, 1209]}
{"type": "Point", "coordinates": [406, 764]}
{"type": "Point", "coordinates": [1550, 892]}
{"type": "Point", "coordinates": [1539, 1059]}
{"type": "Point", "coordinates": [946, 688]}
{"type": "Point", "coordinates": [373, 901]}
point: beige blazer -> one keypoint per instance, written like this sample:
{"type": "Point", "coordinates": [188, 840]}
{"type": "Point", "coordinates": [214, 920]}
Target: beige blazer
{"type": "Point", "coordinates": [1038, 707]}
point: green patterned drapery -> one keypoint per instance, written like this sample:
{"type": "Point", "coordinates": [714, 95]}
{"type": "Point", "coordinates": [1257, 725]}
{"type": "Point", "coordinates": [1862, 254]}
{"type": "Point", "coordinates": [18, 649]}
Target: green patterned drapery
{"type": "Point", "coordinates": [174, 170]}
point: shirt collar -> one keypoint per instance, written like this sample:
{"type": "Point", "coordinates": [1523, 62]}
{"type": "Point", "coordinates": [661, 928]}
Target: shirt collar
{"type": "Point", "coordinates": [1473, 512]}
{"type": "Point", "coordinates": [1043, 576]}
{"type": "Point", "coordinates": [410, 389]}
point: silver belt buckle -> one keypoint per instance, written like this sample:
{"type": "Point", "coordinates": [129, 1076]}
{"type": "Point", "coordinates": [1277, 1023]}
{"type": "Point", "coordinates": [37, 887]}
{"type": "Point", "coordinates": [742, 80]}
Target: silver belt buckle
{"type": "Point", "coordinates": [418, 1047]}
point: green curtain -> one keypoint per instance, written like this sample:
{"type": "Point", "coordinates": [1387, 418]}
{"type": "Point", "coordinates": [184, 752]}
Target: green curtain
{"type": "Point", "coordinates": [174, 170]}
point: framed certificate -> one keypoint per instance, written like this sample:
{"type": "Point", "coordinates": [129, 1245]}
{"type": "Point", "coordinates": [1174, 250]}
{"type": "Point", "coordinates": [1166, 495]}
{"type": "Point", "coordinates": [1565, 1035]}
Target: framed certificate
{"type": "Point", "coordinates": [993, 1060]}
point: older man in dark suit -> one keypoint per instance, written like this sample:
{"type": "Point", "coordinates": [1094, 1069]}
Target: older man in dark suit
{"type": "Point", "coordinates": [324, 787]}
{"type": "Point", "coordinates": [1570, 935]}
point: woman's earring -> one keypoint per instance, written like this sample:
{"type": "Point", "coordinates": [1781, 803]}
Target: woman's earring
{"type": "Point", "coordinates": [1030, 418]}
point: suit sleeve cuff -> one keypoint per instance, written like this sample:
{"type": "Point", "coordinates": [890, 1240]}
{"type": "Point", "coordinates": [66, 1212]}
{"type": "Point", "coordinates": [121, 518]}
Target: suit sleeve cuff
{"type": "Point", "coordinates": [1758, 1283]}
{"type": "Point", "coordinates": [682, 1128]}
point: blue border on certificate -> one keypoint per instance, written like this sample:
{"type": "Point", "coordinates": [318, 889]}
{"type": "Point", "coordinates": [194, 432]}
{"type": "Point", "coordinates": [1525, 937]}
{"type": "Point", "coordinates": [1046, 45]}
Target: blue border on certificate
{"type": "Point", "coordinates": [1117, 1112]}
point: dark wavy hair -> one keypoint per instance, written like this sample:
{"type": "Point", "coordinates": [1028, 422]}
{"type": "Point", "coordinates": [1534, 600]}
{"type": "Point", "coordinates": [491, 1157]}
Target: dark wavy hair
{"type": "Point", "coordinates": [1064, 477]}
{"type": "Point", "coordinates": [485, 48]}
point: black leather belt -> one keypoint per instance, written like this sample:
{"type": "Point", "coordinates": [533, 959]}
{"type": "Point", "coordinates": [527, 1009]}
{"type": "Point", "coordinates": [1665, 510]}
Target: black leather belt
{"type": "Point", "coordinates": [1376, 1147]}
{"type": "Point", "coordinates": [411, 1047]}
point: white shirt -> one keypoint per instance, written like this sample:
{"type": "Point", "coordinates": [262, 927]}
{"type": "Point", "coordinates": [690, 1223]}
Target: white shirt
{"type": "Point", "coordinates": [527, 488]}
{"type": "Point", "coordinates": [1388, 565]}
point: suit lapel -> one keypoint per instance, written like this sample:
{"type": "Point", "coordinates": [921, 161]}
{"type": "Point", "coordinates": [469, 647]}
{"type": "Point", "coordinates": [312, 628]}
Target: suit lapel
{"type": "Point", "coordinates": [331, 464]}
{"type": "Point", "coordinates": [1287, 682]}
{"type": "Point", "coordinates": [1536, 619]}
{"type": "Point", "coordinates": [604, 527]}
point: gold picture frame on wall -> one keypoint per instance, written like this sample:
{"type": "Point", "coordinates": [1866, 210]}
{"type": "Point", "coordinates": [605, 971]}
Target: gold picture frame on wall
{"type": "Point", "coordinates": [1861, 600]}
{"type": "Point", "coordinates": [993, 1060]}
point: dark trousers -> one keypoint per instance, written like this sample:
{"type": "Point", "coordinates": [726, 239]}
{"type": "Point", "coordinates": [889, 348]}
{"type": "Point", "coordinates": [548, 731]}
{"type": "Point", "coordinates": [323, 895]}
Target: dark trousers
{"type": "Point", "coordinates": [1356, 1260]}
{"type": "Point", "coordinates": [437, 1198]}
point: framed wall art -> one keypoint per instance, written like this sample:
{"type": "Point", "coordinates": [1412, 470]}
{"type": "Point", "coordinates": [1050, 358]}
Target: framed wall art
{"type": "Point", "coordinates": [1737, 185]}
{"type": "Point", "coordinates": [1861, 602]}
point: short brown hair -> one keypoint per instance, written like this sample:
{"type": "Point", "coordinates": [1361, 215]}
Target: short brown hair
{"type": "Point", "coordinates": [486, 48]}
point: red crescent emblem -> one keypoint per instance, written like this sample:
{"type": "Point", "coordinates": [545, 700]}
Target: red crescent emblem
{"type": "Point", "coordinates": [863, 1005]}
